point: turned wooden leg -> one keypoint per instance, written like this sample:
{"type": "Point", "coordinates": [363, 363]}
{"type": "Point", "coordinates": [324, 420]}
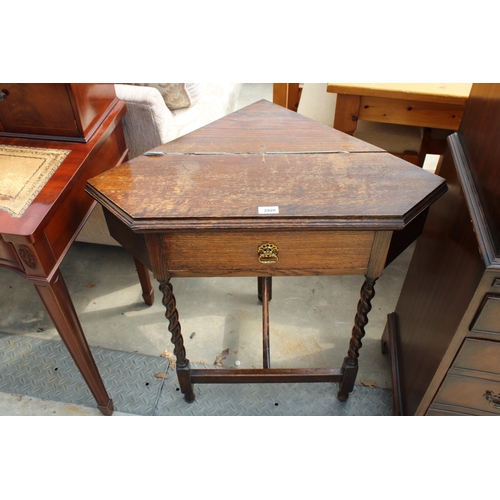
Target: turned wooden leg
{"type": "Point", "coordinates": [350, 365]}
{"type": "Point", "coordinates": [56, 299]}
{"type": "Point", "coordinates": [260, 284]}
{"type": "Point", "coordinates": [174, 327]}
{"type": "Point", "coordinates": [265, 291]}
{"type": "Point", "coordinates": [148, 293]}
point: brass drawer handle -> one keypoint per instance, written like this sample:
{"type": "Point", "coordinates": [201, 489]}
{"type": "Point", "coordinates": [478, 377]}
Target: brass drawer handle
{"type": "Point", "coordinates": [268, 253]}
{"type": "Point", "coordinates": [493, 399]}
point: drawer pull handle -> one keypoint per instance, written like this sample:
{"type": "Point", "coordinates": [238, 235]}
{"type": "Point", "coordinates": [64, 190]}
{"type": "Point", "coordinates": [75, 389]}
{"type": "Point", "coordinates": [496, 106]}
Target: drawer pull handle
{"type": "Point", "coordinates": [494, 399]}
{"type": "Point", "coordinates": [268, 253]}
{"type": "Point", "coordinates": [3, 96]}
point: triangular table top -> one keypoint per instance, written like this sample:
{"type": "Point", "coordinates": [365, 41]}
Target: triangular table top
{"type": "Point", "coordinates": [226, 174]}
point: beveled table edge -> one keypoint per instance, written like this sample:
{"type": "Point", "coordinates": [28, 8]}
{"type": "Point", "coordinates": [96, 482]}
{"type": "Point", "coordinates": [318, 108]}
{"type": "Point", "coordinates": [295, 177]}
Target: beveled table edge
{"type": "Point", "coordinates": [267, 222]}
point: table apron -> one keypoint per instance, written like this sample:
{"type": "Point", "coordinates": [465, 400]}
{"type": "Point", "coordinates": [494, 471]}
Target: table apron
{"type": "Point", "coordinates": [408, 112]}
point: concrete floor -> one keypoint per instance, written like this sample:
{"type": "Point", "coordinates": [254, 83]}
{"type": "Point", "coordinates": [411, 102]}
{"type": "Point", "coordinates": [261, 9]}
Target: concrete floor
{"type": "Point", "coordinates": [311, 317]}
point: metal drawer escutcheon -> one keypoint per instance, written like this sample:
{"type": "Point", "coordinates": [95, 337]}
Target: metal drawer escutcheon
{"type": "Point", "coordinates": [268, 253]}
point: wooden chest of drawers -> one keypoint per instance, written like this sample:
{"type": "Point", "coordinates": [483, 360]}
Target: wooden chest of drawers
{"type": "Point", "coordinates": [446, 327]}
{"type": "Point", "coordinates": [472, 385]}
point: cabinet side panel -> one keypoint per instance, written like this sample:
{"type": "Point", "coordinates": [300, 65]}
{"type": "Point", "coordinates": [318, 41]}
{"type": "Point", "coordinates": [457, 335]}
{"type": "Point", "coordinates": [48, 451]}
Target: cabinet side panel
{"type": "Point", "coordinates": [480, 127]}
{"type": "Point", "coordinates": [443, 275]}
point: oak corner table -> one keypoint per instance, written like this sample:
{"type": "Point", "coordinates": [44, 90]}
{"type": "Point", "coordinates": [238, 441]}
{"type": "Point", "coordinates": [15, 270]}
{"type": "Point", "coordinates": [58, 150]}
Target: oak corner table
{"type": "Point", "coordinates": [264, 192]}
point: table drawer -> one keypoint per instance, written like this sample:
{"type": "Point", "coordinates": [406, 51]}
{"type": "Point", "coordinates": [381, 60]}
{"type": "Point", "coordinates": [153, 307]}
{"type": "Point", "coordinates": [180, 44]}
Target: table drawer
{"type": "Point", "coordinates": [231, 253]}
{"type": "Point", "coordinates": [468, 395]}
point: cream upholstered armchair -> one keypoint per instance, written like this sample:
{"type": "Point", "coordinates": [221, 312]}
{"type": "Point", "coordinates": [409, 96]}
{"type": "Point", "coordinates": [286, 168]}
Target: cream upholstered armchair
{"type": "Point", "coordinates": [158, 113]}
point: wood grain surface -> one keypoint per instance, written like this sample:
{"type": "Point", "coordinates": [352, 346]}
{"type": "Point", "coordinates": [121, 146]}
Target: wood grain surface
{"type": "Point", "coordinates": [307, 170]}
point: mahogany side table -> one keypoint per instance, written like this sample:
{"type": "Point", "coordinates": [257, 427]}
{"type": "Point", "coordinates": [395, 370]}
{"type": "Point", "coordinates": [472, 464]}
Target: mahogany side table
{"type": "Point", "coordinates": [85, 121]}
{"type": "Point", "coordinates": [264, 192]}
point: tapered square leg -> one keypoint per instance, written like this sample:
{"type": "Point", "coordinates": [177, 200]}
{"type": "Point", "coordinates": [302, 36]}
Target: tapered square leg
{"type": "Point", "coordinates": [148, 293]}
{"type": "Point", "coordinates": [57, 300]}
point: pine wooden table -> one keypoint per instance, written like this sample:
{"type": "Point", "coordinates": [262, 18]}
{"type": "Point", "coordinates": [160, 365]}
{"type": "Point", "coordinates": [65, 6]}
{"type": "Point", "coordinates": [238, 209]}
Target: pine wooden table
{"type": "Point", "coordinates": [432, 105]}
{"type": "Point", "coordinates": [264, 192]}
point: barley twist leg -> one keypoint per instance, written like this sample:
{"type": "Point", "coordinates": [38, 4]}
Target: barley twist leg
{"type": "Point", "coordinates": [182, 365]}
{"type": "Point", "coordinates": [350, 365]}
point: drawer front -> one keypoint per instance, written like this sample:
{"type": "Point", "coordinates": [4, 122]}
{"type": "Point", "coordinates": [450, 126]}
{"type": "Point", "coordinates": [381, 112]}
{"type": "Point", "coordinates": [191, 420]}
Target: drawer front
{"type": "Point", "coordinates": [468, 395]}
{"type": "Point", "coordinates": [231, 253]}
{"type": "Point", "coordinates": [444, 412]}
{"type": "Point", "coordinates": [487, 318]}
{"type": "Point", "coordinates": [478, 355]}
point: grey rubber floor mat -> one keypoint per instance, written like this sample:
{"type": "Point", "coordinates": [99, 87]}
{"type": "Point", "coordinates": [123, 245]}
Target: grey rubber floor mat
{"type": "Point", "coordinates": [44, 369]}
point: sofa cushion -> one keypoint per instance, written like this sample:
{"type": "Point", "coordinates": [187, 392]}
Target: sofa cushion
{"type": "Point", "coordinates": [177, 95]}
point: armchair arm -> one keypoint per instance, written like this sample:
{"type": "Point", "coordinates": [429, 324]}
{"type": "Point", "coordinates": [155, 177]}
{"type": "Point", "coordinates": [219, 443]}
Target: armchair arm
{"type": "Point", "coordinates": [147, 121]}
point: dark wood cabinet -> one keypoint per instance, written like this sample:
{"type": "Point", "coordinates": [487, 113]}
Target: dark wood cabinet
{"type": "Point", "coordinates": [446, 327]}
{"type": "Point", "coordinates": [62, 111]}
